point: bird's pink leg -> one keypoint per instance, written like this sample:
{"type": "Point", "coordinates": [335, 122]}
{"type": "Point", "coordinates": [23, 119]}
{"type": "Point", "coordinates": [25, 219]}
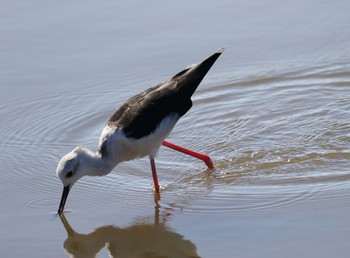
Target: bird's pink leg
{"type": "Point", "coordinates": [154, 174]}
{"type": "Point", "coordinates": [205, 158]}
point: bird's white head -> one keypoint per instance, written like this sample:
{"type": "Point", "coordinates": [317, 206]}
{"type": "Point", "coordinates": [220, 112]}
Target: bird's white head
{"type": "Point", "coordinates": [71, 168]}
{"type": "Point", "coordinates": [68, 170]}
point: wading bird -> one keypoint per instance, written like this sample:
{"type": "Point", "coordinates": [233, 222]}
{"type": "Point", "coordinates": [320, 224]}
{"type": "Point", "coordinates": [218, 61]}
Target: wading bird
{"type": "Point", "coordinates": [137, 129]}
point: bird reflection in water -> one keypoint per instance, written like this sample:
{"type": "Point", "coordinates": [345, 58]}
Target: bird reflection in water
{"type": "Point", "coordinates": [138, 240]}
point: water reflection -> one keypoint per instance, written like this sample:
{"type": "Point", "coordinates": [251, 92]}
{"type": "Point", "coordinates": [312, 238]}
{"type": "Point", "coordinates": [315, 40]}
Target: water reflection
{"type": "Point", "coordinates": [138, 240]}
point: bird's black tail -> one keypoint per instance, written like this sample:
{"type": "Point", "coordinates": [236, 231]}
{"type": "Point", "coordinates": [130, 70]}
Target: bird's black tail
{"type": "Point", "coordinates": [189, 79]}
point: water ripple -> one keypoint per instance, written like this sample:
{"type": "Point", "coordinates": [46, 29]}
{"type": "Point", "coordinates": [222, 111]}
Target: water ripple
{"type": "Point", "coordinates": [277, 137]}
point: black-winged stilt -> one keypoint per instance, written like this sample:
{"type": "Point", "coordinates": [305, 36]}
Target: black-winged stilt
{"type": "Point", "coordinates": [137, 129]}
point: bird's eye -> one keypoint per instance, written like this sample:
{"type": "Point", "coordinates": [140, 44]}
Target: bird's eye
{"type": "Point", "coordinates": [69, 174]}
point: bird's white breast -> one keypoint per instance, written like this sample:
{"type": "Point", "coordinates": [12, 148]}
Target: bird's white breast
{"type": "Point", "coordinates": [121, 148]}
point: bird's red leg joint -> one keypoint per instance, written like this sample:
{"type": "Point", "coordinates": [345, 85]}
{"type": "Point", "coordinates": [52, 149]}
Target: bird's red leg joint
{"type": "Point", "coordinates": [205, 158]}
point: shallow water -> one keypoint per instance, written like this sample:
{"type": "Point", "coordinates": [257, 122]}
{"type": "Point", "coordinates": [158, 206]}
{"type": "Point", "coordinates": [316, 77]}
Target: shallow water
{"type": "Point", "coordinates": [273, 113]}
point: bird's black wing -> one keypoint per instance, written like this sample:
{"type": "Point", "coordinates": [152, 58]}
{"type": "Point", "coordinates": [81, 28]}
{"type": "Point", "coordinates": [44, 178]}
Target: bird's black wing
{"type": "Point", "coordinates": [141, 115]}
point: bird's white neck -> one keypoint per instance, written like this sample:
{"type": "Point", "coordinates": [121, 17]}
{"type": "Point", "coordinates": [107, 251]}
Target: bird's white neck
{"type": "Point", "coordinates": [93, 164]}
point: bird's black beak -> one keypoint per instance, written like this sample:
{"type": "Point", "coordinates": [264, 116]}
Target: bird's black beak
{"type": "Point", "coordinates": [63, 199]}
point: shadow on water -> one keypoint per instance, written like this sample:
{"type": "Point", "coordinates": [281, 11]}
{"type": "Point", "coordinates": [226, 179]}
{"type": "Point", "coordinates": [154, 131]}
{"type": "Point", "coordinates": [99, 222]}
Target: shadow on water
{"type": "Point", "coordinates": [138, 240]}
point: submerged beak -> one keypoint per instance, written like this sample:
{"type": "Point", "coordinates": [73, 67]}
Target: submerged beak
{"type": "Point", "coordinates": [63, 199]}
